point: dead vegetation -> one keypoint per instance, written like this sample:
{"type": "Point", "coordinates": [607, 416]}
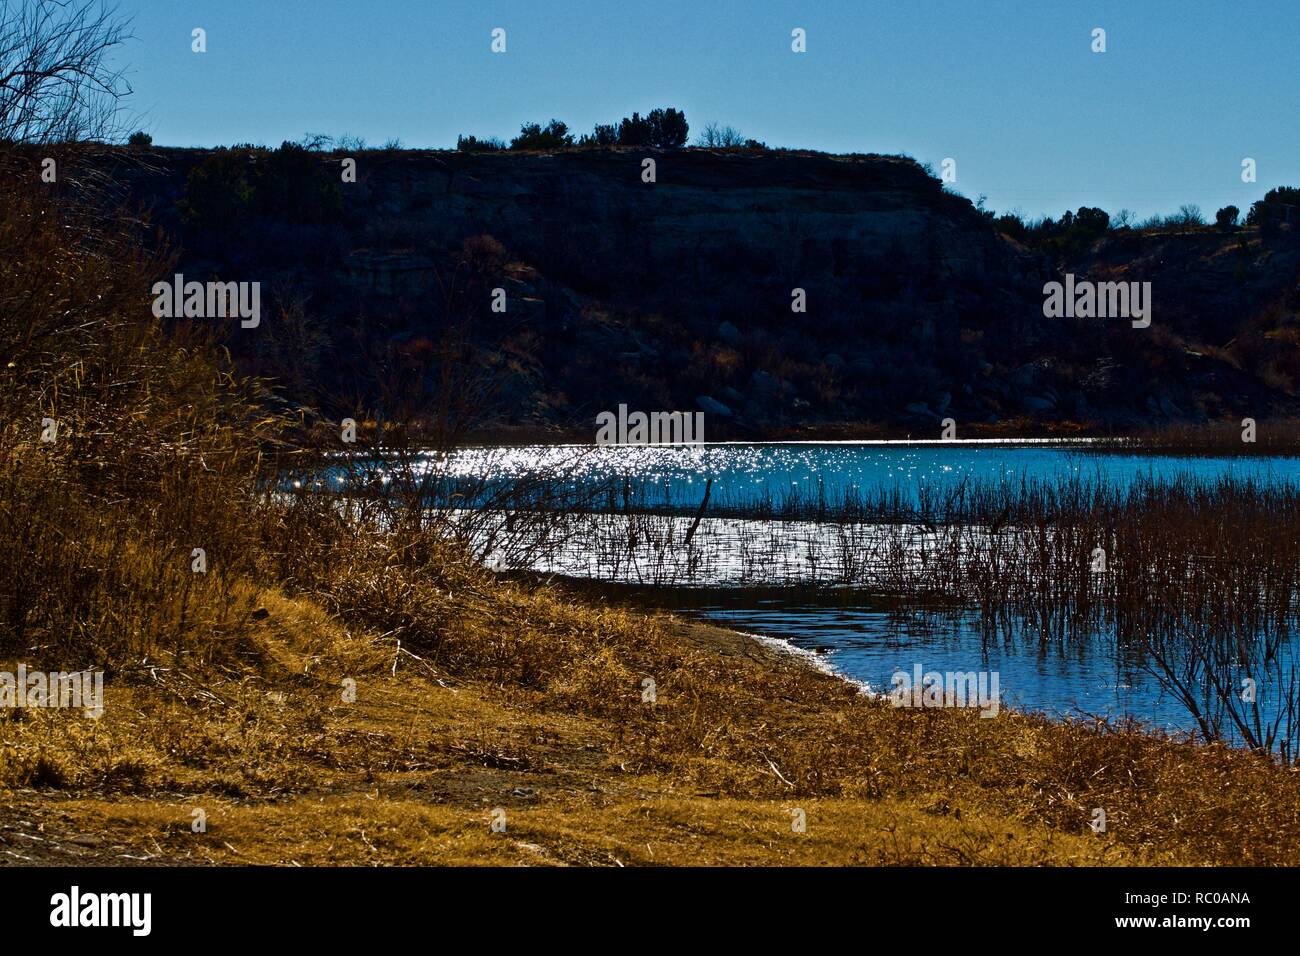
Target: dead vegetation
{"type": "Point", "coordinates": [227, 690]}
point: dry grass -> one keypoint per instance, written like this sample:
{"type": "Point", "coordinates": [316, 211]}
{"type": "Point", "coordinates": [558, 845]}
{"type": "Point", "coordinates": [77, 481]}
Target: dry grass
{"type": "Point", "coordinates": [225, 690]}
{"type": "Point", "coordinates": [287, 771]}
{"type": "Point", "coordinates": [374, 830]}
{"type": "Point", "coordinates": [1196, 581]}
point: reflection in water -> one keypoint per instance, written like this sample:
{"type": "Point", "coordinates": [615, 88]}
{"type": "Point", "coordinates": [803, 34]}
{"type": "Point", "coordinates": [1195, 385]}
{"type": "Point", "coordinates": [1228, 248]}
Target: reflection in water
{"type": "Point", "coordinates": [867, 640]}
{"type": "Point", "coordinates": [745, 474]}
{"type": "Point", "coordinates": [726, 568]}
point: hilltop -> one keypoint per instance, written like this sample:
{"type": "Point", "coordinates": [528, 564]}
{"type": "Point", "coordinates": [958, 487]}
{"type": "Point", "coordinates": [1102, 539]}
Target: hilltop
{"type": "Point", "coordinates": [678, 294]}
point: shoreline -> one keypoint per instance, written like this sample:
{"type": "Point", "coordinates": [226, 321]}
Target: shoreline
{"type": "Point", "coordinates": [1010, 432]}
{"type": "Point", "coordinates": [577, 795]}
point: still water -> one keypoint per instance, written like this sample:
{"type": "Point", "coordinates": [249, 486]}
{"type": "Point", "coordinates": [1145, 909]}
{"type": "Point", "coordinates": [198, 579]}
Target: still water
{"type": "Point", "coordinates": [855, 633]}
{"type": "Point", "coordinates": [748, 473]}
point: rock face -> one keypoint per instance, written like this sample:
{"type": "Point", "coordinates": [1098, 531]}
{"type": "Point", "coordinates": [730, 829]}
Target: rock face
{"type": "Point", "coordinates": [665, 294]}
{"type": "Point", "coordinates": [388, 274]}
{"type": "Point", "coordinates": [589, 216]}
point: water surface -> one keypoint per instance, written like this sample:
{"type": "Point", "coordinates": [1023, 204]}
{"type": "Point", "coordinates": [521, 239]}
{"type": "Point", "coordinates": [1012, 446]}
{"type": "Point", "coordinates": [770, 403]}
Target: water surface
{"type": "Point", "coordinates": [741, 473]}
{"type": "Point", "coordinates": [858, 634]}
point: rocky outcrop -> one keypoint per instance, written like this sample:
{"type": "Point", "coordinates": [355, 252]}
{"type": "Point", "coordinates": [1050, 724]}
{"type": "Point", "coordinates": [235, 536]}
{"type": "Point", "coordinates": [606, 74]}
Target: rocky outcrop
{"type": "Point", "coordinates": [790, 289]}
{"type": "Point", "coordinates": [590, 217]}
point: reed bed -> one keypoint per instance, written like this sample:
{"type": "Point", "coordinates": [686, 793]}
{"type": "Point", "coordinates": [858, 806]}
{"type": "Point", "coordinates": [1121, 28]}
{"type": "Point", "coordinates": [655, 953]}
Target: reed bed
{"type": "Point", "coordinates": [1245, 437]}
{"type": "Point", "coordinates": [1195, 581]}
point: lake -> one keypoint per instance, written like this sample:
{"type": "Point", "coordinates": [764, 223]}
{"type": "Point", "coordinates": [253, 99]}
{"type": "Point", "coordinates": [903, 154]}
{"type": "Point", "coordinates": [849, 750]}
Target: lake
{"type": "Point", "coordinates": [674, 476]}
{"type": "Point", "coordinates": [794, 586]}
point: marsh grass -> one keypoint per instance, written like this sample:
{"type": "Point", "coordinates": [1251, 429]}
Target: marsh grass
{"type": "Point", "coordinates": [1272, 437]}
{"type": "Point", "coordinates": [1194, 581]}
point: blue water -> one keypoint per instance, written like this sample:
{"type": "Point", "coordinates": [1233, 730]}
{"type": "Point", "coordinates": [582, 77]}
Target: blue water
{"type": "Point", "coordinates": [747, 473]}
{"type": "Point", "coordinates": [854, 633]}
{"type": "Point", "coordinates": [869, 643]}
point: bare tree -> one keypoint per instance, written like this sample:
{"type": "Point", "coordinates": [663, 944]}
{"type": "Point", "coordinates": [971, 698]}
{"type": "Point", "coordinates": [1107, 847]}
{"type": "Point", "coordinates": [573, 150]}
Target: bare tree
{"type": "Point", "coordinates": [720, 137]}
{"type": "Point", "coordinates": [56, 83]}
{"type": "Point", "coordinates": [1189, 214]}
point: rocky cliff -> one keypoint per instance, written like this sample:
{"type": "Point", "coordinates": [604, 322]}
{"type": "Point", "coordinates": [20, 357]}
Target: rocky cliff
{"type": "Point", "coordinates": [685, 292]}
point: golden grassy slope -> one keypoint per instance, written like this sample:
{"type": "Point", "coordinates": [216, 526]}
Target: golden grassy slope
{"type": "Point", "coordinates": [288, 772]}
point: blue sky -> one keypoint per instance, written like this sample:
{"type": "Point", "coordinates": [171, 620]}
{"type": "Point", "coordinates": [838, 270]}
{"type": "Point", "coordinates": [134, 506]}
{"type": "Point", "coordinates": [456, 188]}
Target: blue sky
{"type": "Point", "coordinates": [1012, 90]}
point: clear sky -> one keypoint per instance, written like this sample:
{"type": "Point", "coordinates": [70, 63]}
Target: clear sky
{"type": "Point", "coordinates": [1010, 89]}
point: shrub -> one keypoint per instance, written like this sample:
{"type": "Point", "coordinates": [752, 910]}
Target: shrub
{"type": "Point", "coordinates": [1283, 196]}
{"type": "Point", "coordinates": [483, 255]}
{"type": "Point", "coordinates": [139, 138]}
{"type": "Point", "coordinates": [634, 130]}
{"type": "Point", "coordinates": [1012, 225]}
{"type": "Point", "coordinates": [604, 134]}
{"type": "Point", "coordinates": [554, 135]}
{"type": "Point", "coordinates": [472, 144]}
{"type": "Point", "coordinates": [218, 193]}
{"type": "Point", "coordinates": [1070, 235]}
{"type": "Point", "coordinates": [1226, 218]}
{"type": "Point", "coordinates": [1277, 206]}
{"type": "Point", "coordinates": [291, 184]}
{"type": "Point", "coordinates": [662, 128]}
{"type": "Point", "coordinates": [1091, 221]}
{"type": "Point", "coordinates": [158, 452]}
{"type": "Point", "coordinates": [721, 137]}
{"type": "Point", "coordinates": [668, 128]}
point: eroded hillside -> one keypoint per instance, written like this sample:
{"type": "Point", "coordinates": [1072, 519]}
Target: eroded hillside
{"type": "Point", "coordinates": [681, 293]}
